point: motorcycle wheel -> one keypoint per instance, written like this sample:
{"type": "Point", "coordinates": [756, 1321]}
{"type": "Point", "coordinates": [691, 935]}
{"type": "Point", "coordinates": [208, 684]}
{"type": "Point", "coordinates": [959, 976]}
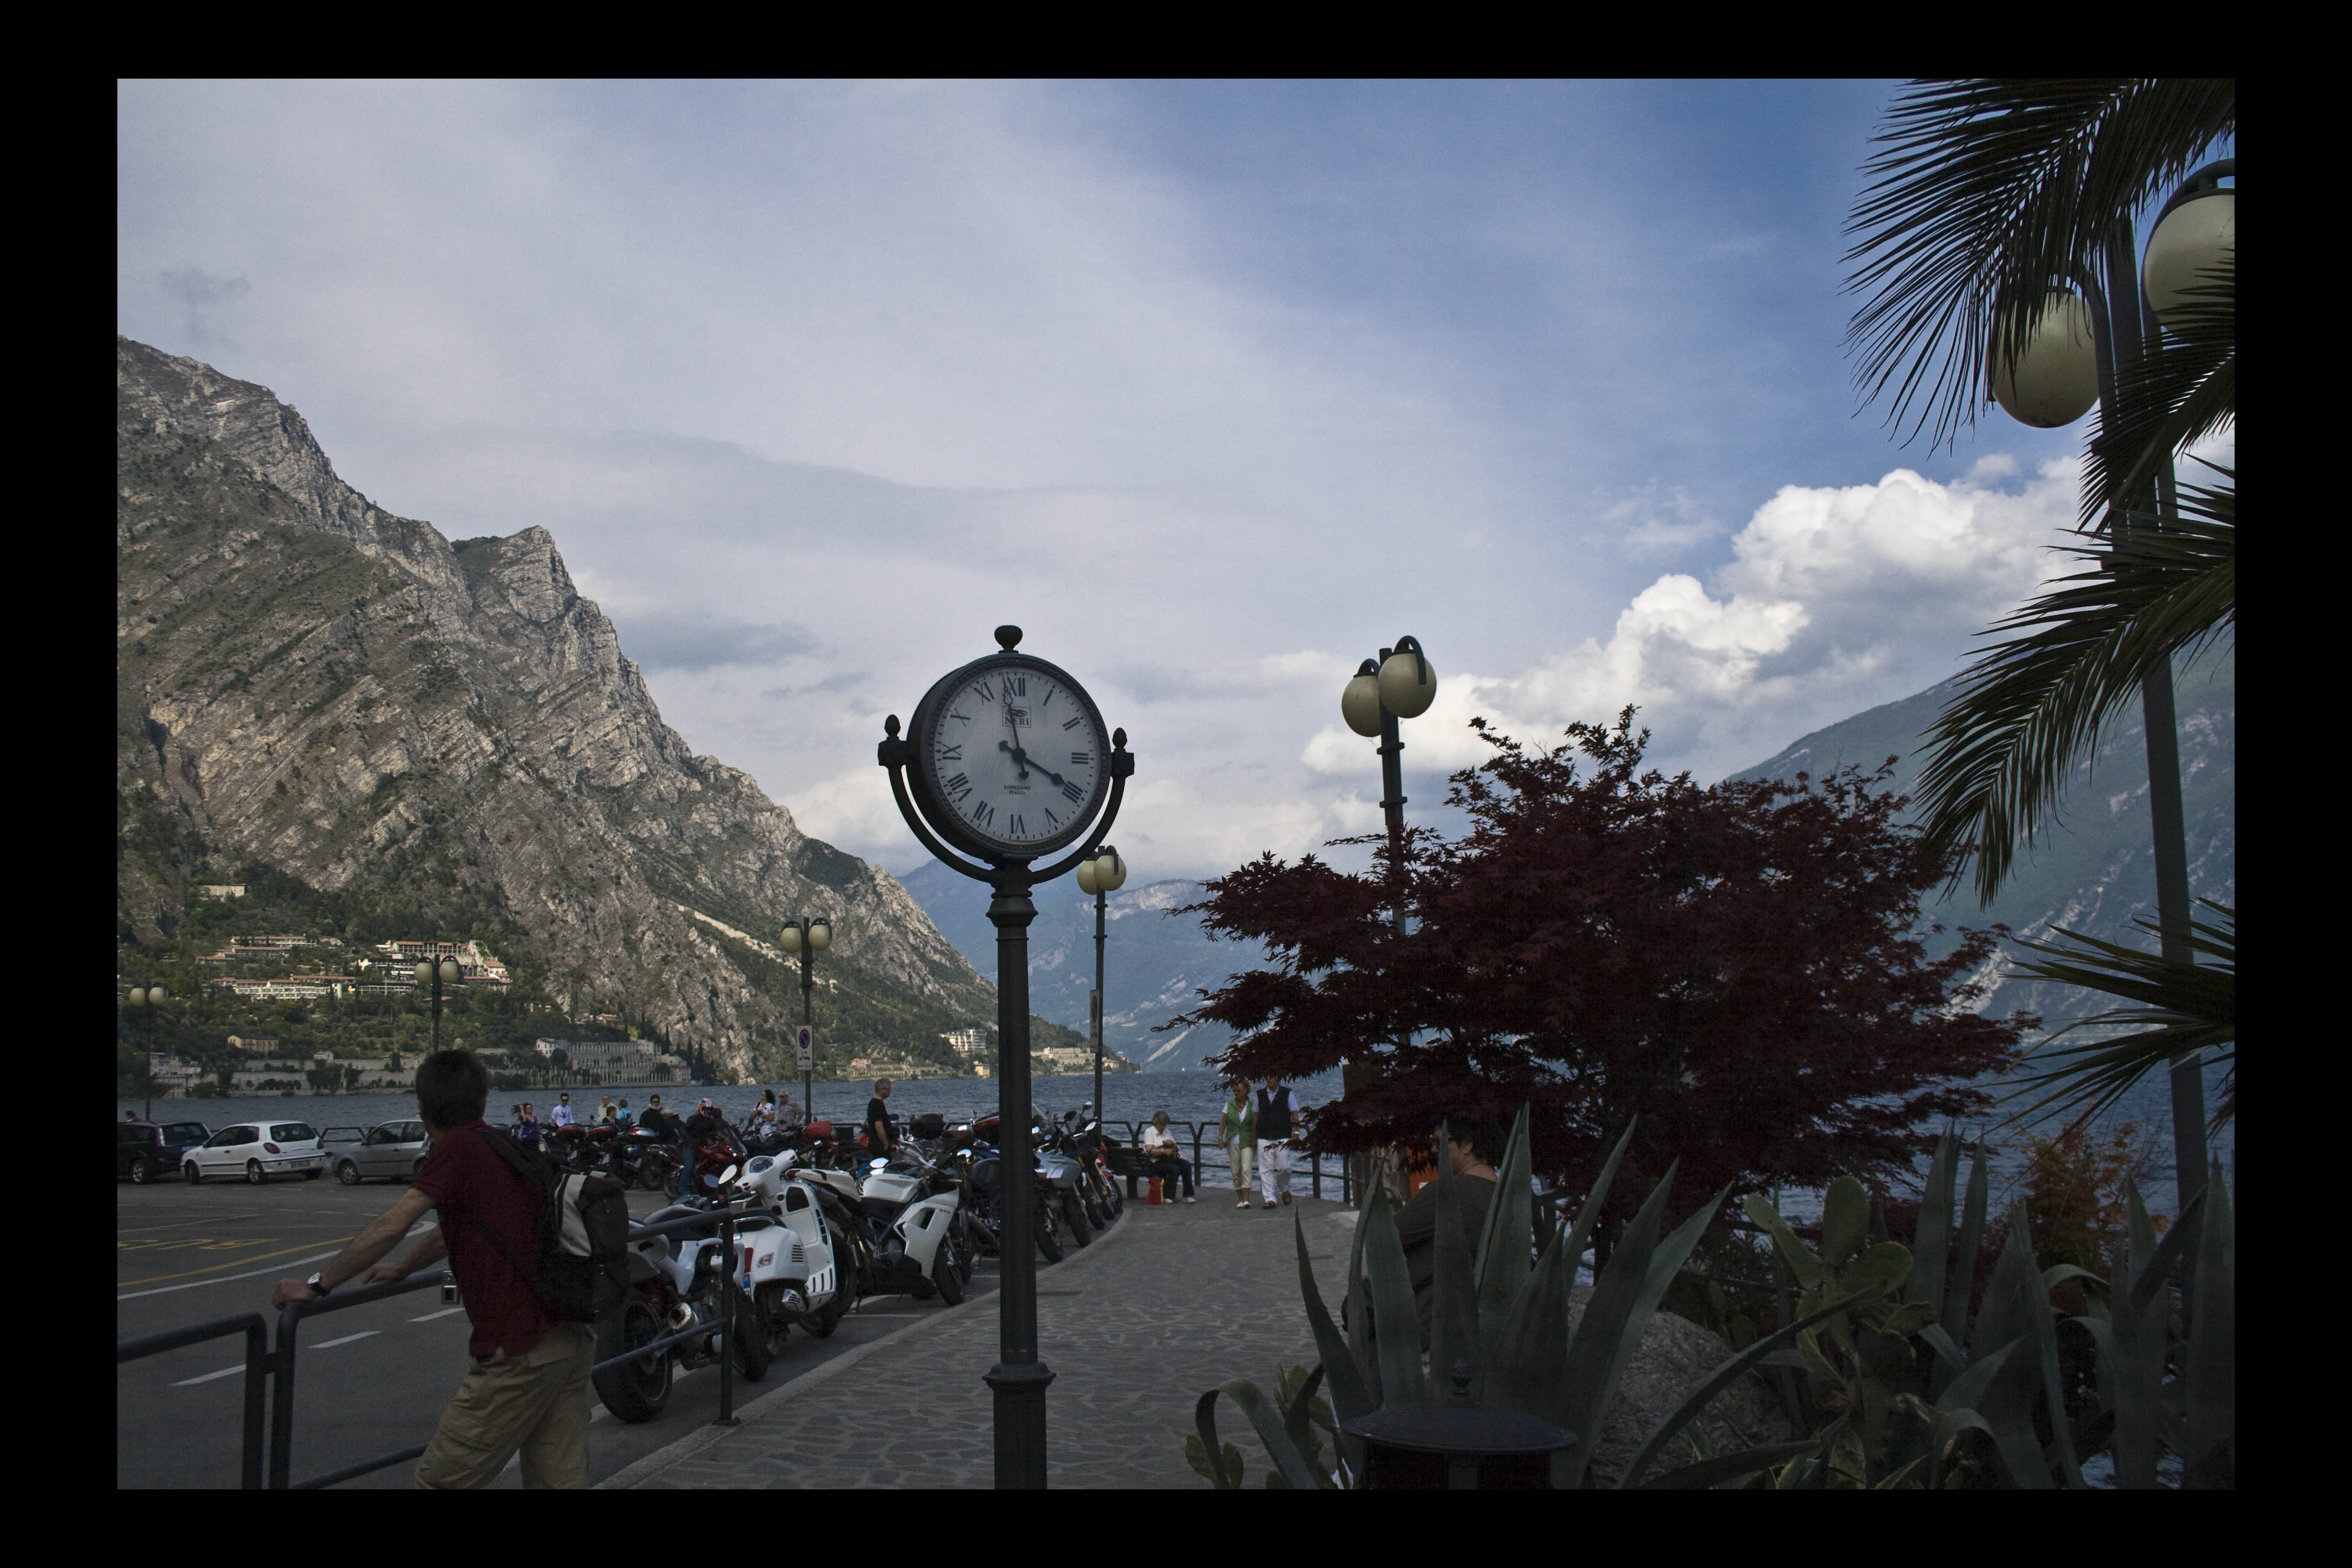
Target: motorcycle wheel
{"type": "Point", "coordinates": [1091, 1200]}
{"type": "Point", "coordinates": [948, 1265]}
{"type": "Point", "coordinates": [1074, 1213]}
{"type": "Point", "coordinates": [634, 1390]}
{"type": "Point", "coordinates": [1049, 1236]}
{"type": "Point", "coordinates": [760, 1336]}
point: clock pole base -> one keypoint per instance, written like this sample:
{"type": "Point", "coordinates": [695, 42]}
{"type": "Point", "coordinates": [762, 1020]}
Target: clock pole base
{"type": "Point", "coordinates": [1020, 1425]}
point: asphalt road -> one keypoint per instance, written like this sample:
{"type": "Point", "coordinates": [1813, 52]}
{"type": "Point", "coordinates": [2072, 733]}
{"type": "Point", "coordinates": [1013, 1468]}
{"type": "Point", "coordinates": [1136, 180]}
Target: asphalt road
{"type": "Point", "coordinates": [368, 1380]}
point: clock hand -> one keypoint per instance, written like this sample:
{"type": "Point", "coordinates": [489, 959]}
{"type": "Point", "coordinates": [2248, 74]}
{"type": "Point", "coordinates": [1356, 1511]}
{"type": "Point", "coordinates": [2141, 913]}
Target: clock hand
{"type": "Point", "coordinates": [1022, 759]}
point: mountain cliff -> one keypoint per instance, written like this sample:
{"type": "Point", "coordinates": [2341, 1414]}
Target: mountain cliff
{"type": "Point", "coordinates": [309, 682]}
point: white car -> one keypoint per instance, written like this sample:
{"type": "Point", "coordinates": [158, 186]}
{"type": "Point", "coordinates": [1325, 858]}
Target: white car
{"type": "Point", "coordinates": [256, 1151]}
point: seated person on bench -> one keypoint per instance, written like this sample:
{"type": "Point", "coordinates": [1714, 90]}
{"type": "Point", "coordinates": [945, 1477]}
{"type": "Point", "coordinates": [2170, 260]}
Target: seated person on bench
{"type": "Point", "coordinates": [1159, 1145]}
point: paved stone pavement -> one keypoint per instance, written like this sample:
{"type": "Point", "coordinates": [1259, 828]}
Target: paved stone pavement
{"type": "Point", "coordinates": [1169, 1302]}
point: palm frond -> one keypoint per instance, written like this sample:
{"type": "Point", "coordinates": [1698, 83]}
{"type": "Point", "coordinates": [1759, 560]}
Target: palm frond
{"type": "Point", "coordinates": [2183, 387]}
{"type": "Point", "coordinates": [2187, 1006]}
{"type": "Point", "coordinates": [1985, 193]}
{"type": "Point", "coordinates": [2000, 753]}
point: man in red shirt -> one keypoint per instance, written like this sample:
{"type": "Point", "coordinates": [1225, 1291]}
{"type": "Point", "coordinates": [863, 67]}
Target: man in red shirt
{"type": "Point", "coordinates": [528, 1388]}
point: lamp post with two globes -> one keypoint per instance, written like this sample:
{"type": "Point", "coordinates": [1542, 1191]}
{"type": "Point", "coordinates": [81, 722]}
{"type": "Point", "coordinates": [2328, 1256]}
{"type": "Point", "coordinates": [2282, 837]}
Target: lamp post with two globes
{"type": "Point", "coordinates": [1399, 684]}
{"type": "Point", "coordinates": [808, 937]}
{"type": "Point", "coordinates": [437, 973]}
{"type": "Point", "coordinates": [1102, 876]}
{"type": "Point", "coordinates": [143, 1000]}
{"type": "Point", "coordinates": [2081, 349]}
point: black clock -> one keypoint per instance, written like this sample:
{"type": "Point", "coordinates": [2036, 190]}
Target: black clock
{"type": "Point", "coordinates": [1008, 757]}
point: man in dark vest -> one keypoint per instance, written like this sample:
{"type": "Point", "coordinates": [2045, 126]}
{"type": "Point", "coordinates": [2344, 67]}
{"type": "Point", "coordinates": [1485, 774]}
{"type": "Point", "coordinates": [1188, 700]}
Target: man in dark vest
{"type": "Point", "coordinates": [1278, 1121]}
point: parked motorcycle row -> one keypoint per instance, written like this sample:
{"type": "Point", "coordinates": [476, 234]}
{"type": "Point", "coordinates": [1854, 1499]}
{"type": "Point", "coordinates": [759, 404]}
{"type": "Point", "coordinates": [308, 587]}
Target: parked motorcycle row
{"type": "Point", "coordinates": [820, 1223]}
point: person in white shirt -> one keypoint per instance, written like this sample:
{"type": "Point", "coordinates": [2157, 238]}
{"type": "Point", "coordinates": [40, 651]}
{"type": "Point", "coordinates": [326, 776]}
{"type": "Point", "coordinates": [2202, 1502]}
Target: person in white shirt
{"type": "Point", "coordinates": [1160, 1147]}
{"type": "Point", "coordinates": [562, 1117]}
{"type": "Point", "coordinates": [1277, 1122]}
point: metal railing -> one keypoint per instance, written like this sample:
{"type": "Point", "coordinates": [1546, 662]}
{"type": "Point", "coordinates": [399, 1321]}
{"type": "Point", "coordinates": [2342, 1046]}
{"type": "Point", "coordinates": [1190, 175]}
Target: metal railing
{"type": "Point", "coordinates": [256, 1368]}
{"type": "Point", "coordinates": [265, 1363]}
{"type": "Point", "coordinates": [1206, 1132]}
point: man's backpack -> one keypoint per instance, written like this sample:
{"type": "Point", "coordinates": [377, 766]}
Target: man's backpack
{"type": "Point", "coordinates": [583, 1235]}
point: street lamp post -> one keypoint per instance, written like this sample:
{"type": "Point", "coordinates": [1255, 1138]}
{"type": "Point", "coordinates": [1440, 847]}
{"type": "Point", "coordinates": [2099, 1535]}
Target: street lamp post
{"type": "Point", "coordinates": [1399, 684]}
{"type": "Point", "coordinates": [1102, 876]}
{"type": "Point", "coordinates": [2058, 374]}
{"type": "Point", "coordinates": [808, 938]}
{"type": "Point", "coordinates": [143, 1001]}
{"type": "Point", "coordinates": [437, 973]}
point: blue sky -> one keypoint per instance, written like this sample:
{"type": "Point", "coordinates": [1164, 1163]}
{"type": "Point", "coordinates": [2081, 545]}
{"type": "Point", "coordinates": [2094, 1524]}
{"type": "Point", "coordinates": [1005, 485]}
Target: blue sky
{"type": "Point", "coordinates": [1214, 388]}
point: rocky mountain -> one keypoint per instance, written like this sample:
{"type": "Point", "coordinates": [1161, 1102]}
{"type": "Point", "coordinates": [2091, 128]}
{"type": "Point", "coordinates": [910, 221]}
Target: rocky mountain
{"type": "Point", "coordinates": [308, 682]}
{"type": "Point", "coordinates": [2093, 874]}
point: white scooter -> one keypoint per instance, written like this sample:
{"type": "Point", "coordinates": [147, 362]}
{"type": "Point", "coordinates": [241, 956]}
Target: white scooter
{"type": "Point", "coordinates": [794, 1267]}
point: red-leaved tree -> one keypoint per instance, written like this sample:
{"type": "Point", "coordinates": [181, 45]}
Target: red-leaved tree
{"type": "Point", "coordinates": [1739, 967]}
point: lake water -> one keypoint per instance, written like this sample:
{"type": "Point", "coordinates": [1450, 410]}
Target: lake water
{"type": "Point", "coordinates": [1195, 1096]}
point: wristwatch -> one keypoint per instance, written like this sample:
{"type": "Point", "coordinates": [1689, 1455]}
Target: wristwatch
{"type": "Point", "coordinates": [319, 1286]}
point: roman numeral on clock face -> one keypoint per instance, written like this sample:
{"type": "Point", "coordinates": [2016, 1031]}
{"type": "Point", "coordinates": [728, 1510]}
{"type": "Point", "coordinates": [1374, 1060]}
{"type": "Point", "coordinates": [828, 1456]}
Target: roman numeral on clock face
{"type": "Point", "coordinates": [1072, 723]}
{"type": "Point", "coordinates": [983, 813]}
{"type": "Point", "coordinates": [1016, 826]}
{"type": "Point", "coordinates": [951, 754]}
{"type": "Point", "coordinates": [1073, 792]}
{"type": "Point", "coordinates": [1081, 758]}
{"type": "Point", "coordinates": [987, 692]}
{"type": "Point", "coordinates": [957, 788]}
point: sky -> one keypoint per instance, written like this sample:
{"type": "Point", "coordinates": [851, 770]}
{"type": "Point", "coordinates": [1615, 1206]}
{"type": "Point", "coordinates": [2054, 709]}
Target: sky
{"type": "Point", "coordinates": [1215, 390]}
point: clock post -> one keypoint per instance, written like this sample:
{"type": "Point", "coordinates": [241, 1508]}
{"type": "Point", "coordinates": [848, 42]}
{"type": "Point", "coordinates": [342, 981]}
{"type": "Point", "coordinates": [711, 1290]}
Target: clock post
{"type": "Point", "coordinates": [994, 807]}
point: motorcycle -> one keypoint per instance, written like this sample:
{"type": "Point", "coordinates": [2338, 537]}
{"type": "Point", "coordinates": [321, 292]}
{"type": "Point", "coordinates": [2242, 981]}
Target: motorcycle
{"type": "Point", "coordinates": [643, 1160]}
{"type": "Point", "coordinates": [983, 1170]}
{"type": "Point", "coordinates": [719, 1149]}
{"type": "Point", "coordinates": [1078, 1135]}
{"type": "Point", "coordinates": [912, 1210]}
{"type": "Point", "coordinates": [679, 1284]}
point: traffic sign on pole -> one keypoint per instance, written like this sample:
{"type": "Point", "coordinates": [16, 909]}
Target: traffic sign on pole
{"type": "Point", "coordinates": [805, 1038]}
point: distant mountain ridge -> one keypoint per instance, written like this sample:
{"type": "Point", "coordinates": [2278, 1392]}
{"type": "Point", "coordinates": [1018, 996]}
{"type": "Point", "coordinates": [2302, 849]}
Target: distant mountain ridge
{"type": "Point", "coordinates": [2095, 873]}
{"type": "Point", "coordinates": [306, 681]}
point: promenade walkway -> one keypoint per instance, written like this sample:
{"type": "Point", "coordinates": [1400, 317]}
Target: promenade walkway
{"type": "Point", "coordinates": [1169, 1302]}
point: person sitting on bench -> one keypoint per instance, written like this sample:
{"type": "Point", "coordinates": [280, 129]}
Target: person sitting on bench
{"type": "Point", "coordinates": [1161, 1146]}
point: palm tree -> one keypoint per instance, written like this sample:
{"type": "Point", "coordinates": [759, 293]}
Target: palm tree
{"type": "Point", "coordinates": [1987, 196]}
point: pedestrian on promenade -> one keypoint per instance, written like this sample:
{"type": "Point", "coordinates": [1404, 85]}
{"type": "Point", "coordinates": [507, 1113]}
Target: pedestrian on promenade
{"type": "Point", "coordinates": [1468, 1147]}
{"type": "Point", "coordinates": [1277, 1111]}
{"type": "Point", "coordinates": [527, 1389]}
{"type": "Point", "coordinates": [656, 1120]}
{"type": "Point", "coordinates": [881, 1127]}
{"type": "Point", "coordinates": [563, 1111]}
{"type": "Point", "coordinates": [604, 1112]}
{"type": "Point", "coordinates": [621, 1120]}
{"type": "Point", "coordinates": [1237, 1131]}
{"type": "Point", "coordinates": [527, 1130]}
{"type": "Point", "coordinates": [763, 1115]}
{"type": "Point", "coordinates": [1160, 1147]}
{"type": "Point", "coordinates": [789, 1116]}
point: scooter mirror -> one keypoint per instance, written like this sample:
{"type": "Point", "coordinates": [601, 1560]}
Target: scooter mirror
{"type": "Point", "coordinates": [727, 1175]}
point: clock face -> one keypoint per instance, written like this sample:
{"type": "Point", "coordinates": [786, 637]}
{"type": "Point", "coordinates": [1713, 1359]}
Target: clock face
{"type": "Point", "coordinates": [1012, 758]}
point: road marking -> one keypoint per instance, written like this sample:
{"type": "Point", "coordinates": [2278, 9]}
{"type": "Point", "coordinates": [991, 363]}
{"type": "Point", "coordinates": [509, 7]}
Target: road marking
{"type": "Point", "coordinates": [347, 1338]}
{"type": "Point", "coordinates": [179, 1223]}
{"type": "Point", "coordinates": [442, 1313]}
{"type": "Point", "coordinates": [419, 1228]}
{"type": "Point", "coordinates": [210, 1376]}
{"type": "Point", "coordinates": [249, 1274]}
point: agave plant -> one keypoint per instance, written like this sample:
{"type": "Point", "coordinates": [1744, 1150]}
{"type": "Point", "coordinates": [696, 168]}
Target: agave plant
{"type": "Point", "coordinates": [1504, 1321]}
{"type": "Point", "coordinates": [1903, 1371]}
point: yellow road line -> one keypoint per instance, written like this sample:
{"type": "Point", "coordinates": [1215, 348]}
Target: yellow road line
{"type": "Point", "coordinates": [248, 1258]}
{"type": "Point", "coordinates": [182, 1224]}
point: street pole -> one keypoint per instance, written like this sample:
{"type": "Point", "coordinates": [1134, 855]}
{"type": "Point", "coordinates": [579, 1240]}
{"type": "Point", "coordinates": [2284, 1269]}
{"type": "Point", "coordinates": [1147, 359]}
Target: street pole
{"type": "Point", "coordinates": [808, 1022]}
{"type": "Point", "coordinates": [1019, 1378]}
{"type": "Point", "coordinates": [1102, 901]}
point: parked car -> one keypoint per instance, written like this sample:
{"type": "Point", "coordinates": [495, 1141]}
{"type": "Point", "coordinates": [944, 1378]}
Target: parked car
{"type": "Point", "coordinates": [146, 1149]}
{"type": "Point", "coordinates": [257, 1151]}
{"type": "Point", "coordinates": [391, 1149]}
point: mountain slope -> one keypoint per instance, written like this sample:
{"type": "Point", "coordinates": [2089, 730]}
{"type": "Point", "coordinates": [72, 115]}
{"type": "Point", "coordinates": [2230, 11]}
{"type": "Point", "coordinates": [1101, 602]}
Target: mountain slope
{"type": "Point", "coordinates": [306, 681]}
{"type": "Point", "coordinates": [2094, 874]}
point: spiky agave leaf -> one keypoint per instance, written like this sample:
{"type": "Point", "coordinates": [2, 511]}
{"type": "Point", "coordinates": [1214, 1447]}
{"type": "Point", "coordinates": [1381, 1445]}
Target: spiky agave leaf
{"type": "Point", "coordinates": [1932, 1242]}
{"type": "Point", "coordinates": [1505, 1243]}
{"type": "Point", "coordinates": [1263, 1415]}
{"type": "Point", "coordinates": [1351, 1387]}
{"type": "Point", "coordinates": [1395, 1327]}
{"type": "Point", "coordinates": [2211, 1376]}
{"type": "Point", "coordinates": [1454, 1296]}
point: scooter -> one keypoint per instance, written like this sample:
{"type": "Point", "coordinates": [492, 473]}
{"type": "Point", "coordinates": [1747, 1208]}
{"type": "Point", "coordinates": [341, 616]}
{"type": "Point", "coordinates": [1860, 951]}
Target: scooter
{"type": "Point", "coordinates": [812, 1289]}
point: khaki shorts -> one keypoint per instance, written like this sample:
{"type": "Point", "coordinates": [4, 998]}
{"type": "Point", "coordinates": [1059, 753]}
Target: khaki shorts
{"type": "Point", "coordinates": [536, 1403]}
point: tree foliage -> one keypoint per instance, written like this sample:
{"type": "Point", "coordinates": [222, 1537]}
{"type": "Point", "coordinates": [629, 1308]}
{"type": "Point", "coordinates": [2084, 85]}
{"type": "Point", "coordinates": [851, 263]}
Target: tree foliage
{"type": "Point", "coordinates": [1737, 970]}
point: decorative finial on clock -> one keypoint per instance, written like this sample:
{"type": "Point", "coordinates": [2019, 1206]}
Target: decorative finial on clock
{"type": "Point", "coordinates": [1008, 637]}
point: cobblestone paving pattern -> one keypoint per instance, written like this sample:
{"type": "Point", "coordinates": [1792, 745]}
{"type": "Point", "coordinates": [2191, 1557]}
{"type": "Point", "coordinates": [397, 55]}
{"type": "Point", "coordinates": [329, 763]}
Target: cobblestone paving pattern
{"type": "Point", "coordinates": [1172, 1302]}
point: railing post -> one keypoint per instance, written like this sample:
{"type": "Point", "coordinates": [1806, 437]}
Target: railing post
{"type": "Point", "coordinates": [281, 1399]}
{"type": "Point", "coordinates": [257, 1401]}
{"type": "Point", "coordinates": [727, 1319]}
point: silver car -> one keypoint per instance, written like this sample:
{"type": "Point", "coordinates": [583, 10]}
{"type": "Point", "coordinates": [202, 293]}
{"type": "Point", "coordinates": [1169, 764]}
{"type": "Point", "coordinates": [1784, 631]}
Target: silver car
{"type": "Point", "coordinates": [394, 1149]}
